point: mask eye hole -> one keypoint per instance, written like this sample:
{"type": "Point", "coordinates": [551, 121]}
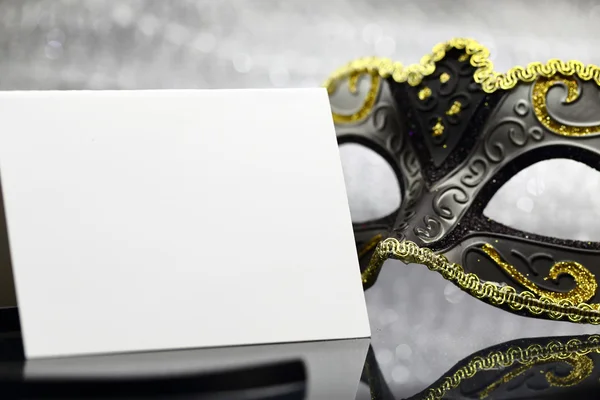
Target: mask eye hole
{"type": "Point", "coordinates": [558, 198]}
{"type": "Point", "coordinates": [371, 184]}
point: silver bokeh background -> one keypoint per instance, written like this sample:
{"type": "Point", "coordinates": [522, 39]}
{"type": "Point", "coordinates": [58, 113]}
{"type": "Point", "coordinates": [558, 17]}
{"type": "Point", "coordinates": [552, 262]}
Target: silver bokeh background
{"type": "Point", "coordinates": [417, 317]}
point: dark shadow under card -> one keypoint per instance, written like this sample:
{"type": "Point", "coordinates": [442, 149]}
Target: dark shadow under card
{"type": "Point", "coordinates": [8, 296]}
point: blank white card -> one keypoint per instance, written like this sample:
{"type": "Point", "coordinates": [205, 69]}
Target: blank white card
{"type": "Point", "coordinates": [152, 220]}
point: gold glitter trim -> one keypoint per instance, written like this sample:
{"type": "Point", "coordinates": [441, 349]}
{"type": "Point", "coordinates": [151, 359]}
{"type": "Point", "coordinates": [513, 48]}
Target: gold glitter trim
{"type": "Point", "coordinates": [574, 352]}
{"type": "Point", "coordinates": [489, 292]}
{"type": "Point", "coordinates": [370, 245]}
{"type": "Point", "coordinates": [540, 92]}
{"type": "Point", "coordinates": [368, 102]}
{"type": "Point", "coordinates": [585, 282]}
{"type": "Point", "coordinates": [438, 128]}
{"type": "Point", "coordinates": [455, 108]}
{"type": "Point", "coordinates": [484, 74]}
{"type": "Point", "coordinates": [445, 77]}
{"type": "Point", "coordinates": [424, 93]}
{"type": "Point", "coordinates": [581, 367]}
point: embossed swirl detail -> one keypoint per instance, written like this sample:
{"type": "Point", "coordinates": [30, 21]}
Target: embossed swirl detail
{"type": "Point", "coordinates": [585, 282]}
{"type": "Point", "coordinates": [518, 134]}
{"type": "Point", "coordinates": [368, 101]}
{"type": "Point", "coordinates": [540, 107]}
{"type": "Point", "coordinates": [457, 195]}
{"type": "Point", "coordinates": [475, 173]}
{"type": "Point", "coordinates": [431, 230]}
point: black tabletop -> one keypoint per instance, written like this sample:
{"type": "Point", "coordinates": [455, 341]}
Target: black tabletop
{"type": "Point", "coordinates": [428, 342]}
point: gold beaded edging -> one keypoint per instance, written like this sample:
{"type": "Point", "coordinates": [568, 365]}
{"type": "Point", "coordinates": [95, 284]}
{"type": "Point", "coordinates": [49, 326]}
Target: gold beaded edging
{"type": "Point", "coordinates": [497, 295]}
{"type": "Point", "coordinates": [484, 74]}
{"type": "Point", "coordinates": [368, 103]}
{"type": "Point", "coordinates": [529, 356]}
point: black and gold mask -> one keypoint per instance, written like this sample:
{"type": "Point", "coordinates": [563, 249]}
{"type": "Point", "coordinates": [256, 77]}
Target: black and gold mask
{"type": "Point", "coordinates": [454, 131]}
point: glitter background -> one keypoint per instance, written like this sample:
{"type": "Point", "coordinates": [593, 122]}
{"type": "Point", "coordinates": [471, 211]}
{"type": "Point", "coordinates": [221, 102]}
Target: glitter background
{"type": "Point", "coordinates": [417, 317]}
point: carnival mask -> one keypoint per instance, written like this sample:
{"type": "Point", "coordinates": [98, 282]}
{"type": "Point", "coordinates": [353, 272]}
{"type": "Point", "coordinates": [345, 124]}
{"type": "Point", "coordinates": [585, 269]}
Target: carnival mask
{"type": "Point", "coordinates": [454, 131]}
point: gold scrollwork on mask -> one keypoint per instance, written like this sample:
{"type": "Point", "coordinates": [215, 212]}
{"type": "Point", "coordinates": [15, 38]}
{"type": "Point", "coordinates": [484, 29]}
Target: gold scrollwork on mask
{"type": "Point", "coordinates": [581, 367]}
{"type": "Point", "coordinates": [524, 300]}
{"type": "Point", "coordinates": [539, 95]}
{"type": "Point", "coordinates": [368, 102]}
{"type": "Point", "coordinates": [478, 56]}
{"type": "Point", "coordinates": [574, 353]}
{"type": "Point", "coordinates": [585, 282]}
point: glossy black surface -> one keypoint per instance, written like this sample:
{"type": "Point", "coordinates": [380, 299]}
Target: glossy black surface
{"type": "Point", "coordinates": [281, 372]}
{"type": "Point", "coordinates": [536, 367]}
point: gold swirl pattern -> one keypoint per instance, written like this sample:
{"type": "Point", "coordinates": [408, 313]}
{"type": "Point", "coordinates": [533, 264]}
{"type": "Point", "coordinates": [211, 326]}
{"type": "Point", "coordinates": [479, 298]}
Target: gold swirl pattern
{"type": "Point", "coordinates": [368, 102]}
{"type": "Point", "coordinates": [581, 367]}
{"type": "Point", "coordinates": [585, 282]}
{"type": "Point", "coordinates": [539, 94]}
{"type": "Point", "coordinates": [574, 352]}
{"type": "Point", "coordinates": [410, 252]}
{"type": "Point", "coordinates": [478, 54]}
